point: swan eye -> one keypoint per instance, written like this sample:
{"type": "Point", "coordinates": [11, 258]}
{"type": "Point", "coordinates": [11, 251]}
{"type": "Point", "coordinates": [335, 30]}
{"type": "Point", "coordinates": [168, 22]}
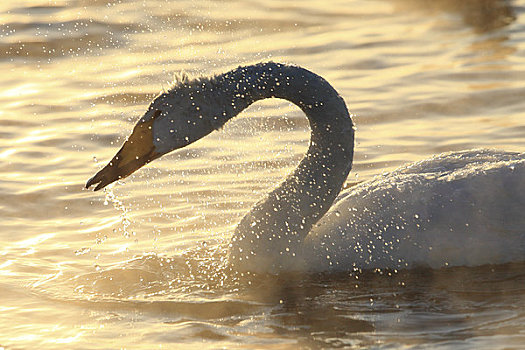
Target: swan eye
{"type": "Point", "coordinates": [147, 116]}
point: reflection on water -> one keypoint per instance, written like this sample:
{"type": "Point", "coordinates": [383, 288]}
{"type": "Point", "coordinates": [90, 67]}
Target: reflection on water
{"type": "Point", "coordinates": [482, 15]}
{"type": "Point", "coordinates": [416, 307]}
{"type": "Point", "coordinates": [144, 266]}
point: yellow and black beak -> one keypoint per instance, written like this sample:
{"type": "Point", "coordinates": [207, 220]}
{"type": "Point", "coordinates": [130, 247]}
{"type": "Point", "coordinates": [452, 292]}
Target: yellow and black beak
{"type": "Point", "coordinates": [137, 151]}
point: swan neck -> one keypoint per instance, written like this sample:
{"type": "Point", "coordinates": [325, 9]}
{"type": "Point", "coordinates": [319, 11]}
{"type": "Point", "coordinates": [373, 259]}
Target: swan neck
{"type": "Point", "coordinates": [307, 90]}
{"type": "Point", "coordinates": [270, 236]}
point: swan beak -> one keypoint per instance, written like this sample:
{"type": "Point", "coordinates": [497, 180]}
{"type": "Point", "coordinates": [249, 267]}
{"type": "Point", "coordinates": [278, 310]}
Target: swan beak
{"type": "Point", "coordinates": [137, 151]}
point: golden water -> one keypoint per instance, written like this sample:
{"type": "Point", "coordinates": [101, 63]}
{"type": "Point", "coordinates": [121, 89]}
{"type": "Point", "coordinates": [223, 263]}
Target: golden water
{"type": "Point", "coordinates": [142, 265]}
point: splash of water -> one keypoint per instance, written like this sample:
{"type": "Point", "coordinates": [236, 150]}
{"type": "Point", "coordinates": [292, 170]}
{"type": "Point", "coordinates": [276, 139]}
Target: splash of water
{"type": "Point", "coordinates": [110, 197]}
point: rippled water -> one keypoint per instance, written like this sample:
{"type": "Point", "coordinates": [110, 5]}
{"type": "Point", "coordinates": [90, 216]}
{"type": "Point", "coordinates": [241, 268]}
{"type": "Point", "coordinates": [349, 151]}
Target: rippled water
{"type": "Point", "coordinates": [142, 265]}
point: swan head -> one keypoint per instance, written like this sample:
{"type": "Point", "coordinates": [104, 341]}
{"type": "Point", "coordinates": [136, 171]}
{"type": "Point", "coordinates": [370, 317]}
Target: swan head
{"type": "Point", "coordinates": [173, 120]}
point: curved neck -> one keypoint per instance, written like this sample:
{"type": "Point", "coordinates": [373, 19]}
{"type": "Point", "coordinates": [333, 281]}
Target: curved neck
{"type": "Point", "coordinates": [270, 236]}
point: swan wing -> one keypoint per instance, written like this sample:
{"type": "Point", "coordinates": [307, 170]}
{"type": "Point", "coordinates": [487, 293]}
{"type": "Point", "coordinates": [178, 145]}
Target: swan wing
{"type": "Point", "coordinates": [461, 208]}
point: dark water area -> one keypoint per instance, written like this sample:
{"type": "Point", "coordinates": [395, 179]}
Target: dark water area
{"type": "Point", "coordinates": [143, 265]}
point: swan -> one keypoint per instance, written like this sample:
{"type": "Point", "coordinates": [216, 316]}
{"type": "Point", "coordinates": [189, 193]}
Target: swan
{"type": "Point", "coordinates": [461, 208]}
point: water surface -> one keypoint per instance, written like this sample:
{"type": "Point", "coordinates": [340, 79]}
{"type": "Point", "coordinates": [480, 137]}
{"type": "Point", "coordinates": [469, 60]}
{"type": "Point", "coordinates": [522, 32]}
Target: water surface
{"type": "Point", "coordinates": [143, 264]}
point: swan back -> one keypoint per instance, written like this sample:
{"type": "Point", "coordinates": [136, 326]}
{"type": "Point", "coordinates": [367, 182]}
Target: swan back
{"type": "Point", "coordinates": [463, 208]}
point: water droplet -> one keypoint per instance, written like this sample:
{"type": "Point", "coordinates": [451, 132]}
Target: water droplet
{"type": "Point", "coordinates": [82, 251]}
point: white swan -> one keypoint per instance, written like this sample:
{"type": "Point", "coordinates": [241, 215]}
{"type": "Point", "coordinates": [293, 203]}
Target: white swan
{"type": "Point", "coordinates": [463, 208]}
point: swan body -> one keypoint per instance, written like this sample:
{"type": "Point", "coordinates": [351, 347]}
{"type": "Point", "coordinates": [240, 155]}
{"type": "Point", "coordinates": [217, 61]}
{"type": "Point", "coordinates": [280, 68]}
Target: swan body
{"type": "Point", "coordinates": [455, 209]}
{"type": "Point", "coordinates": [462, 208]}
